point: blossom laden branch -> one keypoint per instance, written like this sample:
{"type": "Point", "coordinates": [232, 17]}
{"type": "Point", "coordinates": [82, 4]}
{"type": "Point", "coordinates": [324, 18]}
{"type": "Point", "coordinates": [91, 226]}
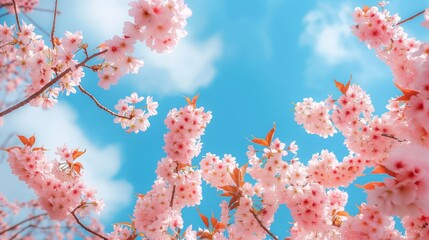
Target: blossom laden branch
{"type": "Point", "coordinates": [262, 225]}
{"type": "Point", "coordinates": [73, 213]}
{"type": "Point", "coordinates": [49, 84]}
{"type": "Point", "coordinates": [22, 222]}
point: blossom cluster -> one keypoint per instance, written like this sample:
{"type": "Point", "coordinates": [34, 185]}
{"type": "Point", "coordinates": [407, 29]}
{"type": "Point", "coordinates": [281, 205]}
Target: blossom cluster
{"type": "Point", "coordinates": [178, 185]}
{"type": "Point", "coordinates": [24, 5]}
{"type": "Point", "coordinates": [58, 184]}
{"type": "Point", "coordinates": [158, 23]}
{"type": "Point", "coordinates": [135, 119]}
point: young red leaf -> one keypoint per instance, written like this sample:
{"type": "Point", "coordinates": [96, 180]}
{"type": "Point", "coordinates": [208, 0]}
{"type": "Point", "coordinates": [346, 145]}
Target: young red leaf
{"type": "Point", "coordinates": [77, 153]}
{"type": "Point", "coordinates": [343, 88]}
{"type": "Point", "coordinates": [260, 141]}
{"type": "Point", "coordinates": [213, 220]}
{"type": "Point", "coordinates": [229, 188]}
{"type": "Point", "coordinates": [407, 93]}
{"type": "Point", "coordinates": [371, 185]}
{"type": "Point", "coordinates": [204, 218]}
{"type": "Point", "coordinates": [24, 140]}
{"type": "Point", "coordinates": [77, 166]}
{"type": "Point", "coordinates": [380, 169]}
{"type": "Point", "coordinates": [269, 136]}
{"type": "Point", "coordinates": [192, 102]}
{"type": "Point", "coordinates": [219, 226]}
{"type": "Point", "coordinates": [31, 140]}
{"type": "Point", "coordinates": [342, 213]}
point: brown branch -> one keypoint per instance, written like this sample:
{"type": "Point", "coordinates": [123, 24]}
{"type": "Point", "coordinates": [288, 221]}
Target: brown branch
{"type": "Point", "coordinates": [83, 226]}
{"type": "Point", "coordinates": [174, 188]}
{"type": "Point", "coordinates": [410, 18]}
{"type": "Point", "coordinates": [20, 231]}
{"type": "Point", "coordinates": [100, 105]}
{"type": "Point", "coordinates": [262, 225]}
{"type": "Point", "coordinates": [16, 15]}
{"type": "Point", "coordinates": [23, 221]}
{"type": "Point", "coordinates": [392, 137]}
{"type": "Point", "coordinates": [4, 14]}
{"type": "Point", "coordinates": [49, 84]}
{"type": "Point", "coordinates": [53, 24]}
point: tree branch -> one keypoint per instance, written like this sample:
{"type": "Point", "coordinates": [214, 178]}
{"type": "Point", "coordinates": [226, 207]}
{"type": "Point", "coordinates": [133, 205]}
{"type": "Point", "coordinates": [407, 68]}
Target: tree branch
{"type": "Point", "coordinates": [100, 105]}
{"type": "Point", "coordinates": [410, 18]}
{"type": "Point", "coordinates": [23, 221]}
{"type": "Point", "coordinates": [392, 137]}
{"type": "Point", "coordinates": [16, 15]}
{"type": "Point", "coordinates": [53, 24]}
{"type": "Point", "coordinates": [83, 226]}
{"type": "Point", "coordinates": [49, 84]}
{"type": "Point", "coordinates": [262, 225]}
{"type": "Point", "coordinates": [174, 188]}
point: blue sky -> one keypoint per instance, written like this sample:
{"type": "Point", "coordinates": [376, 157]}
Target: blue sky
{"type": "Point", "coordinates": [248, 61]}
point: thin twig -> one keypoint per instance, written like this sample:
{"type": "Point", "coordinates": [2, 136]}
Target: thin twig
{"type": "Point", "coordinates": [83, 226]}
{"type": "Point", "coordinates": [174, 188]}
{"type": "Point", "coordinates": [53, 24]}
{"type": "Point", "coordinates": [410, 18]}
{"type": "Point", "coordinates": [172, 196]}
{"type": "Point", "coordinates": [35, 24]}
{"type": "Point", "coordinates": [20, 231]}
{"type": "Point", "coordinates": [262, 225]}
{"type": "Point", "coordinates": [4, 14]}
{"type": "Point", "coordinates": [23, 221]}
{"type": "Point", "coordinates": [16, 15]}
{"type": "Point", "coordinates": [49, 84]}
{"type": "Point", "coordinates": [393, 137]}
{"type": "Point", "coordinates": [100, 105]}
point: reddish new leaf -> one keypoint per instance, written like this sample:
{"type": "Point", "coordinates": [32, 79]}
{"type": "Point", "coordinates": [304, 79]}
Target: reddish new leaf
{"type": "Point", "coordinates": [24, 140]}
{"type": "Point", "coordinates": [380, 169]}
{"type": "Point", "coordinates": [192, 102]}
{"type": "Point", "coordinates": [77, 153]}
{"type": "Point", "coordinates": [371, 185]}
{"type": "Point", "coordinates": [343, 88]}
{"type": "Point", "coordinates": [229, 188]}
{"type": "Point", "coordinates": [268, 138]}
{"type": "Point", "coordinates": [213, 220]}
{"type": "Point", "coordinates": [407, 93]}
{"type": "Point", "coordinates": [219, 226]}
{"type": "Point", "coordinates": [77, 166]}
{"type": "Point", "coordinates": [204, 218]}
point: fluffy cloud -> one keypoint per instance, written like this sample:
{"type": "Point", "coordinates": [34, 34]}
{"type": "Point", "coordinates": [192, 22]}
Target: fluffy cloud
{"type": "Point", "coordinates": [54, 128]}
{"type": "Point", "coordinates": [189, 67]}
{"type": "Point", "coordinates": [327, 32]}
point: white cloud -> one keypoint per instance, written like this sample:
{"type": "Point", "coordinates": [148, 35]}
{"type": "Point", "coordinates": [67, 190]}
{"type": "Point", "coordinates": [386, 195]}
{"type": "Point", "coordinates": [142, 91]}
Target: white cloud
{"type": "Point", "coordinates": [189, 67]}
{"type": "Point", "coordinates": [101, 18]}
{"type": "Point", "coordinates": [328, 33]}
{"type": "Point", "coordinates": [54, 128]}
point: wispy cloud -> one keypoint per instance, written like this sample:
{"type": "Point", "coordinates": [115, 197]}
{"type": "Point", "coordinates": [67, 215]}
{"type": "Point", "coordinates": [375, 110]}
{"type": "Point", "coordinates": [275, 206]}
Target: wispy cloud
{"type": "Point", "coordinates": [327, 32]}
{"type": "Point", "coordinates": [54, 128]}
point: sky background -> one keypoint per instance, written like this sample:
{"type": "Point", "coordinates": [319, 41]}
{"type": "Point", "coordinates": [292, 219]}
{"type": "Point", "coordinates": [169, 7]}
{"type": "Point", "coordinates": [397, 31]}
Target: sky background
{"type": "Point", "coordinates": [248, 60]}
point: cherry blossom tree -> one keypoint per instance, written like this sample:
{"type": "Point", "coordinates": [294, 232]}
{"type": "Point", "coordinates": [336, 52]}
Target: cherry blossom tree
{"type": "Point", "coordinates": [395, 143]}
